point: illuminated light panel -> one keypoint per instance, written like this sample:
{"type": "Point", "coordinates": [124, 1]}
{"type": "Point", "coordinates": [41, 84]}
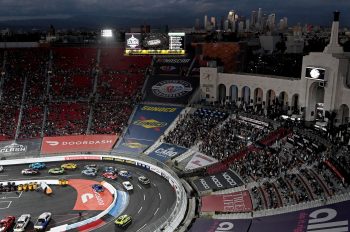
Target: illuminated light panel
{"type": "Point", "coordinates": [154, 52]}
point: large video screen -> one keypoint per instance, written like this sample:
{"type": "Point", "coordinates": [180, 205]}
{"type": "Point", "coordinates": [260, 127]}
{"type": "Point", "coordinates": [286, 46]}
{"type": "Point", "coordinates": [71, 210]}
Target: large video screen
{"type": "Point", "coordinates": [172, 43]}
{"type": "Point", "coordinates": [315, 73]}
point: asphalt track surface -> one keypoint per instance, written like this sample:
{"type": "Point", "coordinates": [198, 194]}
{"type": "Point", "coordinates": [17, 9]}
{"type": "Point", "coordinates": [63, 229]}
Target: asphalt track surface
{"type": "Point", "coordinates": [146, 203]}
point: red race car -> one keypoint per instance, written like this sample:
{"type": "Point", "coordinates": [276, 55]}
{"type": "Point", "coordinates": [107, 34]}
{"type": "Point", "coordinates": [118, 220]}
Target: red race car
{"type": "Point", "coordinates": [110, 175]}
{"type": "Point", "coordinates": [6, 223]}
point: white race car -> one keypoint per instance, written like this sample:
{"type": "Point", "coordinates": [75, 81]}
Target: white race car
{"type": "Point", "coordinates": [22, 223]}
{"type": "Point", "coordinates": [128, 186]}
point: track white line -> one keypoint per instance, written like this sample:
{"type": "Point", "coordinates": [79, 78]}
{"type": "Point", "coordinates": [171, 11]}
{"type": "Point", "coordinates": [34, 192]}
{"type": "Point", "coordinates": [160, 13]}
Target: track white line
{"type": "Point", "coordinates": [139, 186]}
{"type": "Point", "coordinates": [139, 210]}
{"type": "Point", "coordinates": [144, 197]}
{"type": "Point", "coordinates": [141, 228]}
{"type": "Point", "coordinates": [156, 212]}
{"type": "Point", "coordinates": [160, 196]}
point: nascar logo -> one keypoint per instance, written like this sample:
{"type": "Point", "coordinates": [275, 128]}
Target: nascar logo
{"type": "Point", "coordinates": [171, 88]}
{"type": "Point", "coordinates": [150, 123]}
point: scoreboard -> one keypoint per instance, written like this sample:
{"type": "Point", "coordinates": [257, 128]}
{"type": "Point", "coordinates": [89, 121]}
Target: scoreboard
{"type": "Point", "coordinates": [172, 43]}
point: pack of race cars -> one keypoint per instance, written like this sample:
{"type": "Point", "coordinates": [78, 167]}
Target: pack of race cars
{"type": "Point", "coordinates": [9, 222]}
{"type": "Point", "coordinates": [90, 170]}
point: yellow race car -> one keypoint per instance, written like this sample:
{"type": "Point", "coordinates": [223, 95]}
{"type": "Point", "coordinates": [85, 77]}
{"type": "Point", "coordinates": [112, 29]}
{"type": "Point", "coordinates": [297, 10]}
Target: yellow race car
{"type": "Point", "coordinates": [69, 166]}
{"type": "Point", "coordinates": [123, 221]}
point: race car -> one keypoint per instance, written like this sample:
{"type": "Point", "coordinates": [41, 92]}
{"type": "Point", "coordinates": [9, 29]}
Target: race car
{"type": "Point", "coordinates": [110, 175]}
{"type": "Point", "coordinates": [125, 174]}
{"type": "Point", "coordinates": [6, 223]}
{"type": "Point", "coordinates": [110, 169]}
{"type": "Point", "coordinates": [29, 171]}
{"type": "Point", "coordinates": [128, 186]}
{"type": "Point", "coordinates": [98, 188]}
{"type": "Point", "coordinates": [69, 166]}
{"type": "Point", "coordinates": [37, 165]}
{"type": "Point", "coordinates": [90, 166]}
{"type": "Point", "coordinates": [56, 171]}
{"type": "Point", "coordinates": [89, 172]}
{"type": "Point", "coordinates": [1, 168]}
{"type": "Point", "coordinates": [144, 180]}
{"type": "Point", "coordinates": [123, 221]}
{"type": "Point", "coordinates": [42, 221]}
{"type": "Point", "coordinates": [22, 223]}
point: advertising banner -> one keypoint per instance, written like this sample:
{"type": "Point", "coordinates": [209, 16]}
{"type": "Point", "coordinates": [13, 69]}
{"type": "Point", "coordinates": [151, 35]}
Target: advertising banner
{"type": "Point", "coordinates": [171, 89]}
{"type": "Point", "coordinates": [8, 148]}
{"type": "Point", "coordinates": [216, 225]}
{"type": "Point", "coordinates": [147, 125]}
{"type": "Point", "coordinates": [167, 151]}
{"type": "Point", "coordinates": [200, 160]}
{"type": "Point", "coordinates": [132, 146]}
{"type": "Point", "coordinates": [78, 143]}
{"type": "Point", "coordinates": [219, 181]}
{"type": "Point", "coordinates": [232, 202]}
{"type": "Point", "coordinates": [328, 218]}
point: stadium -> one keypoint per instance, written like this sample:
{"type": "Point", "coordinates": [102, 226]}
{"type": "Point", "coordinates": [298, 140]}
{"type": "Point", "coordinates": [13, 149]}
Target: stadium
{"type": "Point", "coordinates": [88, 135]}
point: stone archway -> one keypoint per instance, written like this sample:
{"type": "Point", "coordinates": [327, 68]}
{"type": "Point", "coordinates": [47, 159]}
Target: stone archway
{"type": "Point", "coordinates": [258, 96]}
{"type": "Point", "coordinates": [233, 93]}
{"type": "Point", "coordinates": [246, 94]}
{"type": "Point", "coordinates": [315, 109]}
{"type": "Point", "coordinates": [343, 115]}
{"type": "Point", "coordinates": [295, 104]}
{"type": "Point", "coordinates": [222, 93]}
{"type": "Point", "coordinates": [270, 97]}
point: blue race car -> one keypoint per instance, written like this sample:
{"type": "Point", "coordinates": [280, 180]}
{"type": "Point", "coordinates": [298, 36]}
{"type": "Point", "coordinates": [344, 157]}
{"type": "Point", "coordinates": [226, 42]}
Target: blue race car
{"type": "Point", "coordinates": [110, 169]}
{"type": "Point", "coordinates": [37, 166]}
{"type": "Point", "coordinates": [125, 174]}
{"type": "Point", "coordinates": [98, 188]}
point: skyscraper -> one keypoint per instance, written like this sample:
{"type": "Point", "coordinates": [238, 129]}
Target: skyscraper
{"type": "Point", "coordinates": [253, 18]}
{"type": "Point", "coordinates": [260, 18]}
{"type": "Point", "coordinates": [271, 21]}
{"type": "Point", "coordinates": [205, 22]}
{"type": "Point", "coordinates": [213, 22]}
{"type": "Point", "coordinates": [197, 25]}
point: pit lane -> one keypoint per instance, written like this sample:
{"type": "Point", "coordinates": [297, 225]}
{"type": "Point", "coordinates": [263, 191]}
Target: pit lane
{"type": "Point", "coordinates": [146, 203]}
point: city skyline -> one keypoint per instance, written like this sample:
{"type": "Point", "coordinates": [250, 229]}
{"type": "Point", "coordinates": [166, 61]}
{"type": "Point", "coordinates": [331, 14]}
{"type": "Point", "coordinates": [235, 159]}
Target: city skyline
{"type": "Point", "coordinates": [172, 12]}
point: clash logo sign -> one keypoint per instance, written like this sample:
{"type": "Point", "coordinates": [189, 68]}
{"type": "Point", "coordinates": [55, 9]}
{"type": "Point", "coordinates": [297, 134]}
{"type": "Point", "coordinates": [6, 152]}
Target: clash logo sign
{"type": "Point", "coordinates": [172, 88]}
{"type": "Point", "coordinates": [150, 123]}
{"type": "Point", "coordinates": [14, 147]}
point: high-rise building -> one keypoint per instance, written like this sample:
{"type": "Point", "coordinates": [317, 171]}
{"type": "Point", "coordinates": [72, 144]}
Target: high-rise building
{"type": "Point", "coordinates": [226, 25]}
{"type": "Point", "coordinates": [247, 25]}
{"type": "Point", "coordinates": [253, 18]}
{"type": "Point", "coordinates": [213, 22]}
{"type": "Point", "coordinates": [197, 25]}
{"type": "Point", "coordinates": [260, 15]}
{"type": "Point", "coordinates": [231, 16]}
{"type": "Point", "coordinates": [240, 26]}
{"type": "Point", "coordinates": [205, 22]}
{"type": "Point", "coordinates": [285, 19]}
{"type": "Point", "coordinates": [271, 21]}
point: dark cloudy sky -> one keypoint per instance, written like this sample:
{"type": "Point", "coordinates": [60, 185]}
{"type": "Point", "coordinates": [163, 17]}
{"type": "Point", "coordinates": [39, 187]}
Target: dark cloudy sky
{"type": "Point", "coordinates": [181, 12]}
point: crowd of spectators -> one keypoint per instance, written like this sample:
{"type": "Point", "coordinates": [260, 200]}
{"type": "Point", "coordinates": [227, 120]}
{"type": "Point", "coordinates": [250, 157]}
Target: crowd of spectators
{"type": "Point", "coordinates": [60, 84]}
{"type": "Point", "coordinates": [192, 128]}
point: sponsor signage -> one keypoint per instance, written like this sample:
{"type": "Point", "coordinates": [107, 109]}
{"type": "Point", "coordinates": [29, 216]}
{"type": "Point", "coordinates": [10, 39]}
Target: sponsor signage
{"type": "Point", "coordinates": [142, 165]}
{"type": "Point", "coordinates": [78, 143]}
{"type": "Point", "coordinates": [232, 202]}
{"type": "Point", "coordinates": [167, 151]}
{"type": "Point", "coordinates": [148, 123]}
{"type": "Point", "coordinates": [20, 146]}
{"type": "Point", "coordinates": [87, 198]}
{"type": "Point", "coordinates": [216, 225]}
{"type": "Point", "coordinates": [83, 157]}
{"type": "Point", "coordinates": [223, 180]}
{"type": "Point", "coordinates": [171, 89]}
{"type": "Point", "coordinates": [200, 160]}
{"type": "Point", "coordinates": [328, 218]}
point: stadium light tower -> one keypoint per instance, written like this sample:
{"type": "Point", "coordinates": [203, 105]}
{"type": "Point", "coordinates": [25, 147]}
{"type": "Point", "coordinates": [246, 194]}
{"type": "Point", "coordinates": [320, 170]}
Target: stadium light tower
{"type": "Point", "coordinates": [106, 33]}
